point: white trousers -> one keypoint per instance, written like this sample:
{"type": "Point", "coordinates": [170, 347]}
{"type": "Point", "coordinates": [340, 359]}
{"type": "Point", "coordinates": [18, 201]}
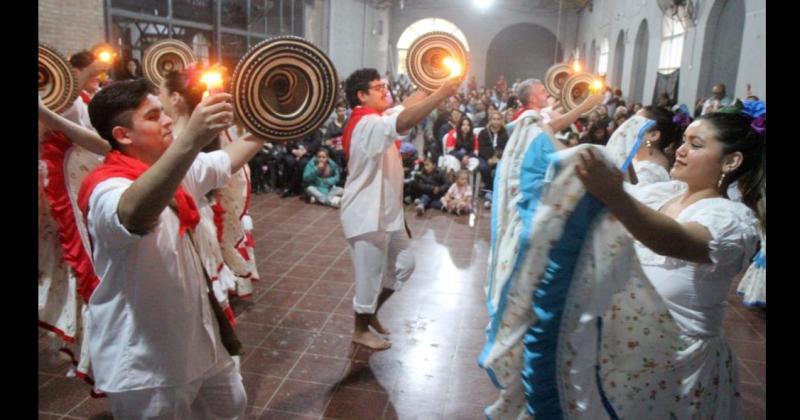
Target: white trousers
{"type": "Point", "coordinates": [218, 395]}
{"type": "Point", "coordinates": [380, 260]}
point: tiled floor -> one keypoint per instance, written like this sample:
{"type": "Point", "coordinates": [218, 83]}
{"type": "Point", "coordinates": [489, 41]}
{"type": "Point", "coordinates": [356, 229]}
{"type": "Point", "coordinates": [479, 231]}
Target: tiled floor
{"type": "Point", "coordinates": [300, 364]}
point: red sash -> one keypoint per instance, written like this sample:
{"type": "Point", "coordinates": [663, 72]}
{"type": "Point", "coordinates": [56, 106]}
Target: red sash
{"type": "Point", "coordinates": [118, 165]}
{"type": "Point", "coordinates": [86, 98]}
{"type": "Point", "coordinates": [347, 134]}
{"type": "Point", "coordinates": [519, 112]}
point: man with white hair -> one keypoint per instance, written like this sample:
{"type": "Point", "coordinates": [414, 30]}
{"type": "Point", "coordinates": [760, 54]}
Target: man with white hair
{"type": "Point", "coordinates": [533, 96]}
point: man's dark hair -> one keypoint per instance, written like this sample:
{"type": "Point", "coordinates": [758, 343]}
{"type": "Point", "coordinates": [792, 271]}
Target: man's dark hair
{"type": "Point", "coordinates": [114, 105]}
{"type": "Point", "coordinates": [81, 59]}
{"type": "Point", "coordinates": [359, 82]}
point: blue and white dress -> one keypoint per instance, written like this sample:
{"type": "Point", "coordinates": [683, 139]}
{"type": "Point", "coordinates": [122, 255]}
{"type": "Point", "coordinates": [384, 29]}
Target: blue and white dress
{"type": "Point", "coordinates": [584, 323]}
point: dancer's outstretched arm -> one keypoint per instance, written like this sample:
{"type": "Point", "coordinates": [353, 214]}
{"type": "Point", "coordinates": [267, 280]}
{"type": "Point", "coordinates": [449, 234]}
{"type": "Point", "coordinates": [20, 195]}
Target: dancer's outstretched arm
{"type": "Point", "coordinates": [78, 134]}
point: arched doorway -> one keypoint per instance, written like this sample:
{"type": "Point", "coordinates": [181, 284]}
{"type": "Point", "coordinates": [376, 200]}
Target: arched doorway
{"type": "Point", "coordinates": [513, 54]}
{"type": "Point", "coordinates": [590, 58]}
{"type": "Point", "coordinates": [619, 60]}
{"type": "Point", "coordinates": [722, 47]}
{"type": "Point", "coordinates": [422, 27]}
{"type": "Point", "coordinates": [640, 62]}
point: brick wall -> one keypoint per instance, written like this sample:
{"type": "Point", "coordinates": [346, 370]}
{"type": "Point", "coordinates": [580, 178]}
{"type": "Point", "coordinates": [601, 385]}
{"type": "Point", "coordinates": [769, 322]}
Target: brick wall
{"type": "Point", "coordinates": [71, 25]}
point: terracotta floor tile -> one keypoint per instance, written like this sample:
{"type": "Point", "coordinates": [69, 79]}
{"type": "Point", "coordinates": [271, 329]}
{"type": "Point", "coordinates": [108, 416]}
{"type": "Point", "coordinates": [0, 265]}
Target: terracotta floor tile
{"type": "Point", "coordinates": [282, 415]}
{"type": "Point", "coordinates": [252, 334]}
{"type": "Point", "coordinates": [260, 388]}
{"type": "Point", "coordinates": [304, 320]}
{"type": "Point", "coordinates": [301, 397]}
{"type": "Point", "coordinates": [280, 298]}
{"type": "Point", "coordinates": [322, 369]}
{"type": "Point", "coordinates": [294, 284]}
{"type": "Point", "coordinates": [339, 324]}
{"type": "Point", "coordinates": [334, 345]}
{"type": "Point", "coordinates": [286, 339]}
{"type": "Point", "coordinates": [61, 394]}
{"type": "Point", "coordinates": [263, 315]}
{"type": "Point", "coordinates": [269, 361]}
{"type": "Point", "coordinates": [330, 289]}
{"type": "Point", "coordinates": [94, 409]}
{"type": "Point", "coordinates": [356, 404]}
{"type": "Point", "coordinates": [318, 303]}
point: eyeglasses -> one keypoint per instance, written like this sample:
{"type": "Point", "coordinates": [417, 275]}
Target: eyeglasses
{"type": "Point", "coordinates": [379, 87]}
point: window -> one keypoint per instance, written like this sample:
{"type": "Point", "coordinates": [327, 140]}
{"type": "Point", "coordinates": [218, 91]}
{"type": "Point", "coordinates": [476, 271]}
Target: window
{"type": "Point", "coordinates": [200, 48]}
{"type": "Point", "coordinates": [602, 59]}
{"type": "Point", "coordinates": [234, 14]}
{"type": "Point", "coordinates": [136, 24]}
{"type": "Point", "coordinates": [422, 27]}
{"type": "Point", "coordinates": [672, 35]}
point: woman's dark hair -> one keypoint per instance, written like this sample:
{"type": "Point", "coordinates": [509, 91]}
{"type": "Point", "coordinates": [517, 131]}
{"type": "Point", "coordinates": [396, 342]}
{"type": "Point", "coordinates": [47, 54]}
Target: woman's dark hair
{"type": "Point", "coordinates": [359, 82]}
{"type": "Point", "coordinates": [513, 102]}
{"type": "Point", "coordinates": [178, 81]}
{"type": "Point", "coordinates": [138, 72]}
{"type": "Point", "coordinates": [734, 132]}
{"type": "Point", "coordinates": [81, 59]}
{"type": "Point", "coordinates": [460, 136]}
{"type": "Point", "coordinates": [670, 132]}
{"type": "Point", "coordinates": [601, 124]}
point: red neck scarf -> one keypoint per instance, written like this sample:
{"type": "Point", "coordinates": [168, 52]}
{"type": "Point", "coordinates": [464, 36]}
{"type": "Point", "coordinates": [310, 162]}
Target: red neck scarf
{"type": "Point", "coordinates": [86, 98]}
{"type": "Point", "coordinates": [347, 135]}
{"type": "Point", "coordinates": [519, 112]}
{"type": "Point", "coordinates": [118, 165]}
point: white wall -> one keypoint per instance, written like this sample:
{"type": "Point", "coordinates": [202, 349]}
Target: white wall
{"type": "Point", "coordinates": [481, 27]}
{"type": "Point", "coordinates": [354, 39]}
{"type": "Point", "coordinates": [609, 16]}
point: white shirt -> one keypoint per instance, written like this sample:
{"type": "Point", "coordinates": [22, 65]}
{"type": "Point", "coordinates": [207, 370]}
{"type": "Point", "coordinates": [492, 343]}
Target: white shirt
{"type": "Point", "coordinates": [717, 103]}
{"type": "Point", "coordinates": [696, 293]}
{"type": "Point", "coordinates": [373, 194]}
{"type": "Point", "coordinates": [79, 113]}
{"type": "Point", "coordinates": [152, 323]}
{"type": "Point", "coordinates": [648, 172]}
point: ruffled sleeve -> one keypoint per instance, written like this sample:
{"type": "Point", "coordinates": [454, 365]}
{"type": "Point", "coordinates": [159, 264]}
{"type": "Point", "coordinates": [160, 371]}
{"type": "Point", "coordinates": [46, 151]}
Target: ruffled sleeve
{"type": "Point", "coordinates": [733, 228]}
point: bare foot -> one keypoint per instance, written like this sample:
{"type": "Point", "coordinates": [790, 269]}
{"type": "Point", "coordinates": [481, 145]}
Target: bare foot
{"type": "Point", "coordinates": [377, 326]}
{"type": "Point", "coordinates": [368, 339]}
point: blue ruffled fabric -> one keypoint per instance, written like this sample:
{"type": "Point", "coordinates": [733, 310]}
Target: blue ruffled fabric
{"type": "Point", "coordinates": [532, 179]}
{"type": "Point", "coordinates": [541, 340]}
{"type": "Point", "coordinates": [760, 259]}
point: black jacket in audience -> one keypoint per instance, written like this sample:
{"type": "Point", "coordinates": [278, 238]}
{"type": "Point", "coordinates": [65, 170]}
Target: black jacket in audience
{"type": "Point", "coordinates": [485, 147]}
{"type": "Point", "coordinates": [425, 183]}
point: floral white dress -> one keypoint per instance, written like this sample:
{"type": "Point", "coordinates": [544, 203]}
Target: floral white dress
{"type": "Point", "coordinates": [589, 324]}
{"type": "Point", "coordinates": [237, 244]}
{"type": "Point", "coordinates": [655, 370]}
{"type": "Point", "coordinates": [64, 283]}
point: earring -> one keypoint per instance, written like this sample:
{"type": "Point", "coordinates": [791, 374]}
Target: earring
{"type": "Point", "coordinates": [721, 179]}
{"type": "Point", "coordinates": [648, 143]}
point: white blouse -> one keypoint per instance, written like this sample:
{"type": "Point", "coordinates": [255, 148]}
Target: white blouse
{"type": "Point", "coordinates": [696, 292]}
{"type": "Point", "coordinates": [648, 172]}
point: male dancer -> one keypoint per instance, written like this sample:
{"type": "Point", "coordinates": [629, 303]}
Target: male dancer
{"type": "Point", "coordinates": [372, 205]}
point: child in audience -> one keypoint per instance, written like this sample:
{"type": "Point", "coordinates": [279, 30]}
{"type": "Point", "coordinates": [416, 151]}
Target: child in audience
{"type": "Point", "coordinates": [458, 199]}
